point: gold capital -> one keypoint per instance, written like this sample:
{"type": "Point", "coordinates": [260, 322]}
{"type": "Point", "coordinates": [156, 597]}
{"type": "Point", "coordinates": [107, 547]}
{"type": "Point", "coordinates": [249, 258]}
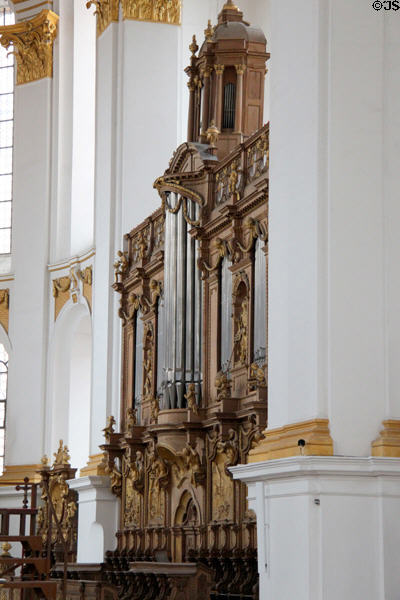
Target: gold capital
{"type": "Point", "coordinates": [107, 11]}
{"type": "Point", "coordinates": [219, 69]}
{"type": "Point", "coordinates": [240, 69]}
{"type": "Point", "coordinates": [32, 45]}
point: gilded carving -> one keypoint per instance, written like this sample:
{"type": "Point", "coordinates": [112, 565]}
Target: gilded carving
{"type": "Point", "coordinates": [212, 134]}
{"type": "Point", "coordinates": [209, 31]}
{"type": "Point", "coordinates": [61, 457]}
{"type": "Point", "coordinates": [134, 486]}
{"type": "Point", "coordinates": [258, 158]}
{"type": "Point", "coordinates": [158, 480]}
{"type": "Point", "coordinates": [131, 420]}
{"type": "Point", "coordinates": [148, 373]}
{"type": "Point", "coordinates": [58, 501]}
{"type": "Point", "coordinates": [109, 428]}
{"type": "Point", "coordinates": [191, 465]}
{"type": "Point", "coordinates": [157, 11]}
{"type": "Point", "coordinates": [191, 398]}
{"type": "Point", "coordinates": [32, 44]}
{"type": "Point", "coordinates": [158, 234]}
{"type": "Point", "coordinates": [61, 286]}
{"type": "Point", "coordinates": [115, 477]}
{"type": "Point", "coordinates": [141, 245]}
{"type": "Point", "coordinates": [257, 377]}
{"type": "Point", "coordinates": [107, 11]}
{"type": "Point", "coordinates": [241, 333]}
{"type": "Point", "coordinates": [4, 308]}
{"type": "Point", "coordinates": [154, 408]}
{"type": "Point", "coordinates": [223, 385]}
{"type": "Point", "coordinates": [229, 183]}
{"type": "Point", "coordinates": [121, 266]}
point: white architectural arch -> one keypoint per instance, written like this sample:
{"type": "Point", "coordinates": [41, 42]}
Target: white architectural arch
{"type": "Point", "coordinates": [70, 359]}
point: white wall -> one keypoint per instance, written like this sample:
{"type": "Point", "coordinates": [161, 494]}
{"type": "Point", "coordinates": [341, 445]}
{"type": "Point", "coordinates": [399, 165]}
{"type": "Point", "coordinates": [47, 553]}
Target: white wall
{"type": "Point", "coordinates": [83, 150]}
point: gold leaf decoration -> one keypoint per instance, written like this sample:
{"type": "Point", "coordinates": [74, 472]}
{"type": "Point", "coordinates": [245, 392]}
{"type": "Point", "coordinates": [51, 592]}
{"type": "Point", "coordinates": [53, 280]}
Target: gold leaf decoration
{"type": "Point", "coordinates": [156, 11]}
{"type": "Point", "coordinates": [32, 44]}
{"type": "Point", "coordinates": [107, 11]}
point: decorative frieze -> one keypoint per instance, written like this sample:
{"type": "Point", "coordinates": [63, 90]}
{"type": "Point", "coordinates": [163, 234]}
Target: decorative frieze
{"type": "Point", "coordinates": [155, 11]}
{"type": "Point", "coordinates": [32, 44]}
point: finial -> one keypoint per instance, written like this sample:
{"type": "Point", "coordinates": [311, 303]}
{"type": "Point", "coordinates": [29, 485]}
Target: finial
{"type": "Point", "coordinates": [44, 460]}
{"type": "Point", "coordinates": [6, 547]}
{"type": "Point", "coordinates": [209, 32]}
{"type": "Point", "coordinates": [193, 46]}
{"type": "Point", "coordinates": [212, 134]}
{"type": "Point", "coordinates": [61, 457]}
{"type": "Point", "coordinates": [229, 4]}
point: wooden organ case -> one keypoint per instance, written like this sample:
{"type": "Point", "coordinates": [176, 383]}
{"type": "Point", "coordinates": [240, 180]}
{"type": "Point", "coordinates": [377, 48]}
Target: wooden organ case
{"type": "Point", "coordinates": [193, 303]}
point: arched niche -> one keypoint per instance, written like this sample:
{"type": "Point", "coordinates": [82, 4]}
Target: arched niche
{"type": "Point", "coordinates": [70, 356]}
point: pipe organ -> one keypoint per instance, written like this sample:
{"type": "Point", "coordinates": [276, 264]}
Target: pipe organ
{"type": "Point", "coordinates": [192, 280]}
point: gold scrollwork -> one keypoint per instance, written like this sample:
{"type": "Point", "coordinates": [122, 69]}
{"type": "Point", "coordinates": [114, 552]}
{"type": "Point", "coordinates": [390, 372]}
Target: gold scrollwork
{"type": "Point", "coordinates": [32, 45]}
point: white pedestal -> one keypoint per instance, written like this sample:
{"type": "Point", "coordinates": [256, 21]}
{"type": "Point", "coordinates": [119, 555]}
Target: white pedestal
{"type": "Point", "coordinates": [98, 517]}
{"type": "Point", "coordinates": [328, 527]}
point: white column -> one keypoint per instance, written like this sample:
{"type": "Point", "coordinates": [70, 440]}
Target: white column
{"type": "Point", "coordinates": [326, 525]}
{"type": "Point", "coordinates": [97, 518]}
{"type": "Point", "coordinates": [332, 213]}
{"type": "Point", "coordinates": [30, 254]}
{"type": "Point", "coordinates": [137, 111]}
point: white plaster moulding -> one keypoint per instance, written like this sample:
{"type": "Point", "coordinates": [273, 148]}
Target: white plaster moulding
{"type": "Point", "coordinates": [73, 260]}
{"type": "Point", "coordinates": [344, 466]}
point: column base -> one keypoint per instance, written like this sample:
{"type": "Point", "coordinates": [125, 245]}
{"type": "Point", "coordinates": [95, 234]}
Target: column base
{"type": "Point", "coordinates": [97, 517]}
{"type": "Point", "coordinates": [17, 473]}
{"type": "Point", "coordinates": [327, 527]}
{"type": "Point", "coordinates": [95, 466]}
{"type": "Point", "coordinates": [282, 442]}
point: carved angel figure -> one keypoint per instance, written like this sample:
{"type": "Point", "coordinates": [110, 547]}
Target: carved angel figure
{"type": "Point", "coordinates": [121, 266]}
{"type": "Point", "coordinates": [223, 385]}
{"type": "Point", "coordinates": [131, 419]}
{"type": "Point", "coordinates": [241, 332]}
{"type": "Point", "coordinates": [191, 398]}
{"type": "Point", "coordinates": [109, 429]}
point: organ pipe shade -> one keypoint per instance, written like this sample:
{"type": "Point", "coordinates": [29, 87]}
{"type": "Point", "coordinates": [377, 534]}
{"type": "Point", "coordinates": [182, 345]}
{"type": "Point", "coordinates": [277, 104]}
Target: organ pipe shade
{"type": "Point", "coordinates": [182, 307]}
{"type": "Point", "coordinates": [260, 303]}
{"type": "Point", "coordinates": [228, 120]}
{"type": "Point", "coordinates": [225, 315]}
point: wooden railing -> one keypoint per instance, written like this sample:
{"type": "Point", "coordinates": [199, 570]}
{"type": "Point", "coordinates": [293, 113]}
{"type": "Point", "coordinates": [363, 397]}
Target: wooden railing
{"type": "Point", "coordinates": [35, 562]}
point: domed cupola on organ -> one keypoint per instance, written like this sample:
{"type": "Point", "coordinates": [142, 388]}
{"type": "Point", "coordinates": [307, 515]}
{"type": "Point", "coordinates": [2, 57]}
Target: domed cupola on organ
{"type": "Point", "coordinates": [226, 81]}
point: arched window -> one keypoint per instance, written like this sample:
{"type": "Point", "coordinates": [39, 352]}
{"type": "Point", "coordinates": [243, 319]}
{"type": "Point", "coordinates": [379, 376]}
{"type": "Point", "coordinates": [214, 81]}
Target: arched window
{"type": "Point", "coordinates": [6, 136]}
{"type": "Point", "coordinates": [3, 400]}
